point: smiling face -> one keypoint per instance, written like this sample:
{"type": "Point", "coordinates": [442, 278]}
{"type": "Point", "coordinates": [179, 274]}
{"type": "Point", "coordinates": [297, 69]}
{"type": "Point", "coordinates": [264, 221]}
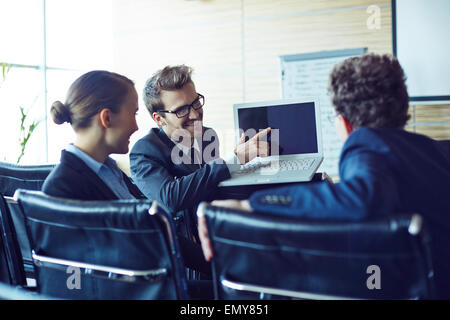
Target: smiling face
{"type": "Point", "coordinates": [174, 100]}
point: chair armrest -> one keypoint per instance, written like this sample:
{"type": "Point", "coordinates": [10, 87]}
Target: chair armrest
{"type": "Point", "coordinates": [153, 275]}
{"type": "Point", "coordinates": [240, 286]}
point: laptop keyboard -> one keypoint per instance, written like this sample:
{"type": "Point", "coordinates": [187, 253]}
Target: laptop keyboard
{"type": "Point", "coordinates": [300, 164]}
{"type": "Point", "coordinates": [281, 165]}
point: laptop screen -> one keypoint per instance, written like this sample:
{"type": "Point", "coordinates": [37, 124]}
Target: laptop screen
{"type": "Point", "coordinates": [296, 124]}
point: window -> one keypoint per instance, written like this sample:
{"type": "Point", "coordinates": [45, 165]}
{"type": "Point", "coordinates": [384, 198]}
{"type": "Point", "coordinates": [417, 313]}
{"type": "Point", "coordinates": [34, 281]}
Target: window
{"type": "Point", "coordinates": [48, 43]}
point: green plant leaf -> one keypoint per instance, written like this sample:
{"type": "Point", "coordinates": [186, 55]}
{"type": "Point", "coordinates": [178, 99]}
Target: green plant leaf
{"type": "Point", "coordinates": [5, 69]}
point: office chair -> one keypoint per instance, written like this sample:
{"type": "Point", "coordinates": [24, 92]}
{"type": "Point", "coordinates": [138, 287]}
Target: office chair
{"type": "Point", "coordinates": [123, 249]}
{"type": "Point", "coordinates": [259, 256]}
{"type": "Point", "coordinates": [11, 263]}
{"type": "Point", "coordinates": [30, 177]}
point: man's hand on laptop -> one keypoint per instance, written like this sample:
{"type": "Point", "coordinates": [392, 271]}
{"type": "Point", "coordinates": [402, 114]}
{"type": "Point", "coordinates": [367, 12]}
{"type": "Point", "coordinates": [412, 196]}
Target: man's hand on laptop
{"type": "Point", "coordinates": [257, 146]}
{"type": "Point", "coordinates": [242, 205]}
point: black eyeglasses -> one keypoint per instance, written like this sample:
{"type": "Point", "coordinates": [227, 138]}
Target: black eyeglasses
{"type": "Point", "coordinates": [183, 111]}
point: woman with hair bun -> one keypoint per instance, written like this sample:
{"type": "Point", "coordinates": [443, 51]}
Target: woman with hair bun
{"type": "Point", "coordinates": [101, 106]}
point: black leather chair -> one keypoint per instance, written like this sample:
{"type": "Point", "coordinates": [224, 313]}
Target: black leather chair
{"type": "Point", "coordinates": [11, 263]}
{"type": "Point", "coordinates": [102, 249]}
{"type": "Point", "coordinates": [259, 256]}
{"type": "Point", "coordinates": [30, 177]}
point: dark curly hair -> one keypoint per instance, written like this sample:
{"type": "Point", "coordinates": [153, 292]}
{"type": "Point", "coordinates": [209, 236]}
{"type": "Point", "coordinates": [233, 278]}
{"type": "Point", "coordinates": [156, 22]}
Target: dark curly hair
{"type": "Point", "coordinates": [370, 91]}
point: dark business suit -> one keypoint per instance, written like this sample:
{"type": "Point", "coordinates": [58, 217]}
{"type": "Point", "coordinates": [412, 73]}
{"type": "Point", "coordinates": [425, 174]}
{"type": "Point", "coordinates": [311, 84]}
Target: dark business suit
{"type": "Point", "coordinates": [178, 186]}
{"type": "Point", "coordinates": [73, 179]}
{"type": "Point", "coordinates": [383, 172]}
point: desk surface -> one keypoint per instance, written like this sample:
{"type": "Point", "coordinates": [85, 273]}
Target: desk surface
{"type": "Point", "coordinates": [244, 192]}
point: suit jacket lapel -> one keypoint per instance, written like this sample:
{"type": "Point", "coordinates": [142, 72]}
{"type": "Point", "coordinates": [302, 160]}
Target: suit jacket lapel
{"type": "Point", "coordinates": [170, 145]}
{"type": "Point", "coordinates": [91, 177]}
{"type": "Point", "coordinates": [135, 191]}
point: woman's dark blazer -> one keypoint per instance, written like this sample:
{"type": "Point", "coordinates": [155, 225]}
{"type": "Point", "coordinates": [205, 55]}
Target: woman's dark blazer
{"type": "Point", "coordinates": [73, 179]}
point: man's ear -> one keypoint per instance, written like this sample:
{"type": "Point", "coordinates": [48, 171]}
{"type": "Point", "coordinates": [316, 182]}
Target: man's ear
{"type": "Point", "coordinates": [159, 119]}
{"type": "Point", "coordinates": [105, 118]}
{"type": "Point", "coordinates": [347, 126]}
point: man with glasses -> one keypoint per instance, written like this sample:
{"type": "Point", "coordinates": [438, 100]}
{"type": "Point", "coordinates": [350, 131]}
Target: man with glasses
{"type": "Point", "coordinates": [178, 164]}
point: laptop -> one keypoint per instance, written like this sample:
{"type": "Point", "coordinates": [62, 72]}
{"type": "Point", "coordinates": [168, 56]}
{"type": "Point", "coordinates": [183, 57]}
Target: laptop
{"type": "Point", "coordinates": [295, 141]}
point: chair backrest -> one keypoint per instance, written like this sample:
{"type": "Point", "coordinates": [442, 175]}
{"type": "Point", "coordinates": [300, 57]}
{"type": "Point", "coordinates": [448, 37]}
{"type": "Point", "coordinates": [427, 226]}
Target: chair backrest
{"type": "Point", "coordinates": [102, 249]}
{"type": "Point", "coordinates": [30, 177]}
{"type": "Point", "coordinates": [11, 263]}
{"type": "Point", "coordinates": [15, 224]}
{"type": "Point", "coordinates": [263, 256]}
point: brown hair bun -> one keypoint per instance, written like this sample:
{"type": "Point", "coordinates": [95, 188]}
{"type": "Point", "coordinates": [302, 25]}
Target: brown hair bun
{"type": "Point", "coordinates": [60, 113]}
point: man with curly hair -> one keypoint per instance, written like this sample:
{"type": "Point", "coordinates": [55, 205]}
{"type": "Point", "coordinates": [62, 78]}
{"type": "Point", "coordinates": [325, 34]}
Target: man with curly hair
{"type": "Point", "coordinates": [384, 170]}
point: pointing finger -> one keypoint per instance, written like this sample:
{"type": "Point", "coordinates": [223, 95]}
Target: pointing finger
{"type": "Point", "coordinates": [242, 138]}
{"type": "Point", "coordinates": [262, 133]}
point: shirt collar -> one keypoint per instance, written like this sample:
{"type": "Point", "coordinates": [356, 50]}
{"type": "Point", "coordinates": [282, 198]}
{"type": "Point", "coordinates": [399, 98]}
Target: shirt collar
{"type": "Point", "coordinates": [87, 159]}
